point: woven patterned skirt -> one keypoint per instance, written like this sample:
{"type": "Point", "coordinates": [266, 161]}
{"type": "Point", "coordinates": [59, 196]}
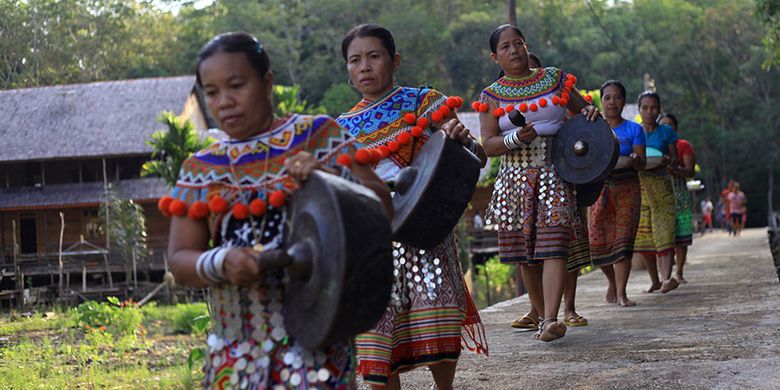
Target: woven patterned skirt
{"type": "Point", "coordinates": [683, 213]}
{"type": "Point", "coordinates": [614, 219]}
{"type": "Point", "coordinates": [657, 215]}
{"type": "Point", "coordinates": [431, 315]}
{"type": "Point", "coordinates": [534, 210]}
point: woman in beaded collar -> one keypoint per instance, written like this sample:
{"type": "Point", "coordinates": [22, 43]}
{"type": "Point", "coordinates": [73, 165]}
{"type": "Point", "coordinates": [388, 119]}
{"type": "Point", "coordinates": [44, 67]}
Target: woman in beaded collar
{"type": "Point", "coordinates": [430, 310]}
{"type": "Point", "coordinates": [534, 210]}
{"type": "Point", "coordinates": [234, 193]}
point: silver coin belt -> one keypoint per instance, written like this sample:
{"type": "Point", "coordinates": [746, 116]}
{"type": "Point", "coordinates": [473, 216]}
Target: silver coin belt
{"type": "Point", "coordinates": [416, 272]}
{"type": "Point", "coordinates": [519, 168]}
{"type": "Point", "coordinates": [256, 347]}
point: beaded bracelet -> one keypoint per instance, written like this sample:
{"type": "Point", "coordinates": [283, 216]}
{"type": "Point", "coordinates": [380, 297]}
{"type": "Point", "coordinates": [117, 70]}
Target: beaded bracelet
{"type": "Point", "coordinates": [209, 265]}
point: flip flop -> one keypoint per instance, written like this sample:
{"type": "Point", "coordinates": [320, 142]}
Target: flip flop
{"type": "Point", "coordinates": [525, 322]}
{"type": "Point", "coordinates": [574, 321]}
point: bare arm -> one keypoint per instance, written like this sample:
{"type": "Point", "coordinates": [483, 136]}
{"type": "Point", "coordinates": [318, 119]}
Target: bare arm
{"type": "Point", "coordinates": [370, 180]}
{"type": "Point", "coordinates": [492, 140]}
{"type": "Point", "coordinates": [638, 159]}
{"type": "Point", "coordinates": [688, 169]}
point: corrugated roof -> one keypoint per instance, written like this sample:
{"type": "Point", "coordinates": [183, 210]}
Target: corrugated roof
{"type": "Point", "coordinates": [78, 194]}
{"type": "Point", "coordinates": [86, 120]}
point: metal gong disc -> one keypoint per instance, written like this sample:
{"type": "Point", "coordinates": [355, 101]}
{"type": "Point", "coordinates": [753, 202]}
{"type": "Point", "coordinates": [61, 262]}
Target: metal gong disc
{"type": "Point", "coordinates": [433, 191]}
{"type": "Point", "coordinates": [588, 194]}
{"type": "Point", "coordinates": [342, 265]}
{"type": "Point", "coordinates": [584, 151]}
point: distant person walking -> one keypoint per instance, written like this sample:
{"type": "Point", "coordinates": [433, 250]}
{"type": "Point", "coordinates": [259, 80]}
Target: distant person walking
{"type": "Point", "coordinates": [706, 213]}
{"type": "Point", "coordinates": [737, 201]}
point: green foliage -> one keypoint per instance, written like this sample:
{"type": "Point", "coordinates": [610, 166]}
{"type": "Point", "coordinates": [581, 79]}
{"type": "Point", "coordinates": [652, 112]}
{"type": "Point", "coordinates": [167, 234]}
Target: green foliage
{"type": "Point", "coordinates": [768, 11]}
{"type": "Point", "coordinates": [339, 98]}
{"type": "Point", "coordinates": [127, 227]}
{"type": "Point", "coordinates": [172, 147]}
{"type": "Point", "coordinates": [493, 282]}
{"type": "Point", "coordinates": [490, 177]}
{"type": "Point", "coordinates": [288, 101]}
{"type": "Point", "coordinates": [113, 317]}
{"type": "Point", "coordinates": [192, 319]}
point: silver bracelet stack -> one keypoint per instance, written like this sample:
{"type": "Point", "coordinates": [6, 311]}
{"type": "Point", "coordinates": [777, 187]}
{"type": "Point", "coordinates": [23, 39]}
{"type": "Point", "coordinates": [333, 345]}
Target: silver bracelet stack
{"type": "Point", "coordinates": [209, 265]}
{"type": "Point", "coordinates": [512, 140]}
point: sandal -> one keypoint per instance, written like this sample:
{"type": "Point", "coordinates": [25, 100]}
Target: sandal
{"type": "Point", "coordinates": [575, 321]}
{"type": "Point", "coordinates": [526, 322]}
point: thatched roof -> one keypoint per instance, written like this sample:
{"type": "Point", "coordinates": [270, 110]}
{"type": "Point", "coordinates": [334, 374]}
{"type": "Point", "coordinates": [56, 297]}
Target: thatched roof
{"type": "Point", "coordinates": [78, 194]}
{"type": "Point", "coordinates": [110, 118]}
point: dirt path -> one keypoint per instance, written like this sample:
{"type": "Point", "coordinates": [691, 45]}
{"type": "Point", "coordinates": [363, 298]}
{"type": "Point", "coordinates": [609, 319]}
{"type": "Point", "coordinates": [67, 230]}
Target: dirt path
{"type": "Point", "coordinates": [719, 331]}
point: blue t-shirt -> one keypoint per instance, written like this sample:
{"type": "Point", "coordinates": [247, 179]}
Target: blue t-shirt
{"type": "Point", "coordinates": [629, 134]}
{"type": "Point", "coordinates": [660, 138]}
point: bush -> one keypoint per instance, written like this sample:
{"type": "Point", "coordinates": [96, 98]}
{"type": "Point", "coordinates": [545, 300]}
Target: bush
{"type": "Point", "coordinates": [339, 98]}
{"type": "Point", "coordinates": [111, 316]}
{"type": "Point", "coordinates": [191, 319]}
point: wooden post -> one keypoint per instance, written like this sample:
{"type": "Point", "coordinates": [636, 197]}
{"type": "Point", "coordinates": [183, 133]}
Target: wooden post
{"type": "Point", "coordinates": [512, 12]}
{"type": "Point", "coordinates": [135, 271]}
{"type": "Point", "coordinates": [62, 233]}
{"type": "Point", "coordinates": [83, 278]}
{"type": "Point", "coordinates": [17, 271]}
{"type": "Point", "coordinates": [108, 209]}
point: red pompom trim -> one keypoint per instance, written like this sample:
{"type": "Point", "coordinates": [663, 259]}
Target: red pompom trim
{"type": "Point", "coordinates": [564, 102]}
{"type": "Point", "coordinates": [509, 108]}
{"type": "Point", "coordinates": [240, 211]}
{"type": "Point", "coordinates": [572, 78]}
{"type": "Point", "coordinates": [565, 95]}
{"type": "Point", "coordinates": [523, 107]}
{"type": "Point", "coordinates": [277, 199]}
{"type": "Point", "coordinates": [475, 106]}
{"type": "Point", "coordinates": [556, 100]}
{"type": "Point", "coordinates": [404, 138]}
{"type": "Point", "coordinates": [384, 150]}
{"type": "Point", "coordinates": [452, 102]}
{"type": "Point", "coordinates": [543, 102]}
{"type": "Point", "coordinates": [483, 107]}
{"type": "Point", "coordinates": [589, 98]}
{"type": "Point", "coordinates": [459, 102]}
{"type": "Point", "coordinates": [178, 208]}
{"type": "Point", "coordinates": [218, 205]}
{"type": "Point", "coordinates": [198, 210]}
{"type": "Point", "coordinates": [437, 116]}
{"type": "Point", "coordinates": [417, 132]}
{"type": "Point", "coordinates": [164, 205]}
{"type": "Point", "coordinates": [257, 207]}
{"type": "Point", "coordinates": [375, 155]}
{"type": "Point", "coordinates": [568, 84]}
{"type": "Point", "coordinates": [498, 112]}
{"type": "Point", "coordinates": [344, 160]}
{"type": "Point", "coordinates": [533, 107]}
{"type": "Point", "coordinates": [445, 110]}
{"type": "Point", "coordinates": [423, 122]}
{"type": "Point", "coordinates": [362, 156]}
{"type": "Point", "coordinates": [393, 146]}
{"type": "Point", "coordinates": [410, 119]}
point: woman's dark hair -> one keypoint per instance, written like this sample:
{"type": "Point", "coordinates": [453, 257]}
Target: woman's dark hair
{"type": "Point", "coordinates": [235, 42]}
{"type": "Point", "coordinates": [369, 30]}
{"type": "Point", "coordinates": [672, 117]}
{"type": "Point", "coordinates": [647, 94]}
{"type": "Point", "coordinates": [497, 34]}
{"type": "Point", "coordinates": [533, 56]}
{"type": "Point", "coordinates": [615, 83]}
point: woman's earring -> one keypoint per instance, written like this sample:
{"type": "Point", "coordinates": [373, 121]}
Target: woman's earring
{"type": "Point", "coordinates": [350, 83]}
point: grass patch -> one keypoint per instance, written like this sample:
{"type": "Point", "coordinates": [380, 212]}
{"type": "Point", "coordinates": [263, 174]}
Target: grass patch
{"type": "Point", "coordinates": [57, 353]}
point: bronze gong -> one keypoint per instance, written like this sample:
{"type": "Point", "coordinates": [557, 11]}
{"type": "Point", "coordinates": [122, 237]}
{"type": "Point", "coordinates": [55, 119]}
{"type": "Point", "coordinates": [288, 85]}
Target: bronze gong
{"type": "Point", "coordinates": [340, 263]}
{"type": "Point", "coordinates": [433, 191]}
{"type": "Point", "coordinates": [584, 151]}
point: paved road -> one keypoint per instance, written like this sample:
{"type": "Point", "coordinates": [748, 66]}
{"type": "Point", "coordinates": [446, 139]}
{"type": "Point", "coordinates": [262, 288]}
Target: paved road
{"type": "Point", "coordinates": [719, 331]}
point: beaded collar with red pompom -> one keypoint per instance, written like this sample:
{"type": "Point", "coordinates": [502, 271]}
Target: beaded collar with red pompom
{"type": "Point", "coordinates": [170, 206]}
{"type": "Point", "coordinates": [371, 156]}
{"type": "Point", "coordinates": [556, 100]}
